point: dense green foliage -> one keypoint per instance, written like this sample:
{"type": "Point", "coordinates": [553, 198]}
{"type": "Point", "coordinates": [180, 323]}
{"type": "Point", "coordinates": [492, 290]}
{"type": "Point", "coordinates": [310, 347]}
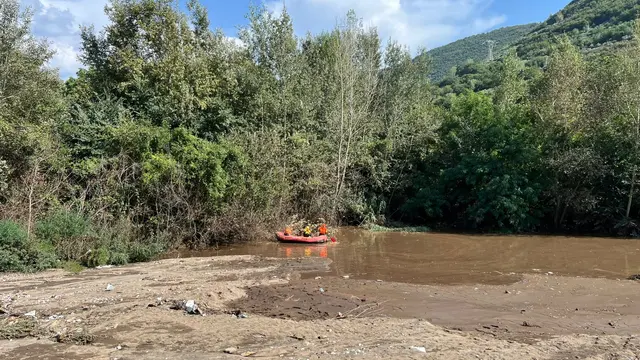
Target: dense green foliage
{"type": "Point", "coordinates": [174, 135]}
{"type": "Point", "coordinates": [474, 49]}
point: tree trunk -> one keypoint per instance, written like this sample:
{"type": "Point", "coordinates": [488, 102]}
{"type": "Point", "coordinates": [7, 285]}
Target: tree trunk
{"type": "Point", "coordinates": [556, 218]}
{"type": "Point", "coordinates": [564, 213]}
{"type": "Point", "coordinates": [633, 183]}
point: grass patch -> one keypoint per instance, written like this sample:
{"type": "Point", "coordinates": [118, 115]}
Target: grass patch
{"type": "Point", "coordinates": [73, 267]}
{"type": "Point", "coordinates": [398, 229]}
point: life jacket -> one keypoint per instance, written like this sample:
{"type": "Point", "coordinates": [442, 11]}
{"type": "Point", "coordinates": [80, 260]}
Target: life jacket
{"type": "Point", "coordinates": [323, 229]}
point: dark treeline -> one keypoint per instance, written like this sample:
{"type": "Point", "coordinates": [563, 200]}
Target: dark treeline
{"type": "Point", "coordinates": [174, 134]}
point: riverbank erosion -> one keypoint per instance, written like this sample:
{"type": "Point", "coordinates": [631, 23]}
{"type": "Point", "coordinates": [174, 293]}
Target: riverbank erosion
{"type": "Point", "coordinates": [252, 306]}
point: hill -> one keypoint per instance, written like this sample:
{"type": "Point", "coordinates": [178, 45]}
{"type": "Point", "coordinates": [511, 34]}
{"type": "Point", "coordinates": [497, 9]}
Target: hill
{"type": "Point", "coordinates": [592, 25]}
{"type": "Point", "coordinates": [474, 48]}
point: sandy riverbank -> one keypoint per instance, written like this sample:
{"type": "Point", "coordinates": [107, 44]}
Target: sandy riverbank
{"type": "Point", "coordinates": [538, 317]}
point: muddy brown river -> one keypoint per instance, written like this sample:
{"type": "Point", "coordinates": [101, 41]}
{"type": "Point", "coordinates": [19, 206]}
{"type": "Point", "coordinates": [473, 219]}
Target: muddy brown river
{"type": "Point", "coordinates": [435, 258]}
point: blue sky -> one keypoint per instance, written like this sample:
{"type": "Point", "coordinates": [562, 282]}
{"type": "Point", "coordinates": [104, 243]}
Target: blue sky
{"type": "Point", "coordinates": [227, 15]}
{"type": "Point", "coordinates": [415, 23]}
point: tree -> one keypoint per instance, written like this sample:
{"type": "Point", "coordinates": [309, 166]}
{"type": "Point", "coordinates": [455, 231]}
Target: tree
{"type": "Point", "coordinates": [30, 103]}
{"type": "Point", "coordinates": [273, 48]}
{"type": "Point", "coordinates": [629, 107]}
{"type": "Point", "coordinates": [407, 125]}
{"type": "Point", "coordinates": [30, 96]}
{"type": "Point", "coordinates": [484, 172]}
{"type": "Point", "coordinates": [512, 89]}
{"type": "Point", "coordinates": [151, 58]}
{"type": "Point", "coordinates": [356, 67]}
{"type": "Point", "coordinates": [559, 103]}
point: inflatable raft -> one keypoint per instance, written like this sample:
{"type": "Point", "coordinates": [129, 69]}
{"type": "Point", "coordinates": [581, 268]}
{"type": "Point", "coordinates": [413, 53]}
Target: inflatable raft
{"type": "Point", "coordinates": [301, 239]}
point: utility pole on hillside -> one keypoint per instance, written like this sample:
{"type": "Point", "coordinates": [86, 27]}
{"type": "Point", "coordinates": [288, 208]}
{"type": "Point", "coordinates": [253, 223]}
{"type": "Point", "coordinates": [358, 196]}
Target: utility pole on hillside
{"type": "Point", "coordinates": [491, 44]}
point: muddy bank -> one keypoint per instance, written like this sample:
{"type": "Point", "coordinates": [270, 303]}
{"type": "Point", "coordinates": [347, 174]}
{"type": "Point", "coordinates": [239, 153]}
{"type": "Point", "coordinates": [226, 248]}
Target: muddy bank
{"type": "Point", "coordinates": [288, 316]}
{"type": "Point", "coordinates": [537, 307]}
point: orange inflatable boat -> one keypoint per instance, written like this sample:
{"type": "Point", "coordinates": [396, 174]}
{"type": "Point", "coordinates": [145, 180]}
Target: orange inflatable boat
{"type": "Point", "coordinates": [301, 239]}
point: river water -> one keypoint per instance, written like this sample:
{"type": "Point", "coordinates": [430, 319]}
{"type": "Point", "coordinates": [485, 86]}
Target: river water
{"type": "Point", "coordinates": [435, 258]}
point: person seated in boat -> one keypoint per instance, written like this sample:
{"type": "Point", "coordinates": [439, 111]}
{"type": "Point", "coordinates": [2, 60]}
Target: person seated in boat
{"type": "Point", "coordinates": [307, 231]}
{"type": "Point", "coordinates": [288, 231]}
{"type": "Point", "coordinates": [322, 229]}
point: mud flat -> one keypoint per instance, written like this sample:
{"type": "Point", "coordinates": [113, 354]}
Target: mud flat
{"type": "Point", "coordinates": [263, 308]}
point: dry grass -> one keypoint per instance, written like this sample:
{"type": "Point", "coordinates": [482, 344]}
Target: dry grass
{"type": "Point", "coordinates": [21, 327]}
{"type": "Point", "coordinates": [18, 328]}
{"type": "Point", "coordinates": [77, 337]}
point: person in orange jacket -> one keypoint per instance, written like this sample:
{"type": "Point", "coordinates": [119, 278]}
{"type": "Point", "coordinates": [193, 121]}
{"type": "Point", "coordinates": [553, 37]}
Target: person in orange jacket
{"type": "Point", "coordinates": [322, 229]}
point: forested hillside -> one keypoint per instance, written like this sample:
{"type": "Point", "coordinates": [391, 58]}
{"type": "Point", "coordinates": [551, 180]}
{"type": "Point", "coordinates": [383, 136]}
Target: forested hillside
{"type": "Point", "coordinates": [592, 25]}
{"type": "Point", "coordinates": [174, 135]}
{"type": "Point", "coordinates": [474, 48]}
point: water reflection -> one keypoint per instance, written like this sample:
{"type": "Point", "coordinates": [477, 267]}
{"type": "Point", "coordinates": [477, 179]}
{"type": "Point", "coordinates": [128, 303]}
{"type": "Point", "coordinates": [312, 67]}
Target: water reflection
{"type": "Point", "coordinates": [295, 251]}
{"type": "Point", "coordinates": [426, 258]}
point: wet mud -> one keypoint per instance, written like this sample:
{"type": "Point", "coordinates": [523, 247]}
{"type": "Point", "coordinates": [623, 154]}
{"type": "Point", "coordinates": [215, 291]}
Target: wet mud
{"type": "Point", "coordinates": [537, 307]}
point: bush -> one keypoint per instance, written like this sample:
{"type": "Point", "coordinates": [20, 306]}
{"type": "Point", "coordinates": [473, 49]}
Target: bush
{"type": "Point", "coordinates": [67, 236]}
{"type": "Point", "coordinates": [13, 242]}
{"type": "Point", "coordinates": [17, 253]}
{"type": "Point", "coordinates": [42, 256]}
{"type": "Point", "coordinates": [98, 257]}
{"type": "Point", "coordinates": [12, 260]}
{"type": "Point", "coordinates": [118, 258]}
{"type": "Point", "coordinates": [144, 252]}
{"type": "Point", "coordinates": [73, 267]}
{"type": "Point", "coordinates": [62, 226]}
{"type": "Point", "coordinates": [67, 232]}
{"type": "Point", "coordinates": [12, 235]}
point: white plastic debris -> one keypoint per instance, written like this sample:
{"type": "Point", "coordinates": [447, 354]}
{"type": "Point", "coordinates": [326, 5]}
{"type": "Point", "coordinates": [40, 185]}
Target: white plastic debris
{"type": "Point", "coordinates": [191, 307]}
{"type": "Point", "coordinates": [110, 287]}
{"type": "Point", "coordinates": [31, 313]}
{"type": "Point", "coordinates": [231, 350]}
{"type": "Point", "coordinates": [421, 349]}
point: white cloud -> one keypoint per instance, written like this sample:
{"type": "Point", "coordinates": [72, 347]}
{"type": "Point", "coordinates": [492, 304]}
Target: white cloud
{"type": "Point", "coordinates": [59, 22]}
{"type": "Point", "coordinates": [66, 59]}
{"type": "Point", "coordinates": [235, 41]}
{"type": "Point", "coordinates": [483, 24]}
{"type": "Point", "coordinates": [415, 23]}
